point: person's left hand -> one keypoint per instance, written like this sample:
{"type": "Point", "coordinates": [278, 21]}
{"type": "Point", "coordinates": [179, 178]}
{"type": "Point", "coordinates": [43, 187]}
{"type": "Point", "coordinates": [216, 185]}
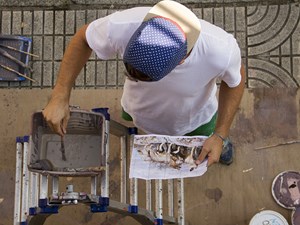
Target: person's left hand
{"type": "Point", "coordinates": [212, 148]}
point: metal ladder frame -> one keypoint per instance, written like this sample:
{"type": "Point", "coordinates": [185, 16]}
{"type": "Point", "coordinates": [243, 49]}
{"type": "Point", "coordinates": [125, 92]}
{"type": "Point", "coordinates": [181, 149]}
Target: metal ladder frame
{"type": "Point", "coordinates": [32, 206]}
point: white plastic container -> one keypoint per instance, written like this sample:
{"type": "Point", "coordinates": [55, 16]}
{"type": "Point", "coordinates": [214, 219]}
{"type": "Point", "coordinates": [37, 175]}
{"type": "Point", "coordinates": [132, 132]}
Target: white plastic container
{"type": "Point", "coordinates": [295, 218]}
{"type": "Point", "coordinates": [268, 217]}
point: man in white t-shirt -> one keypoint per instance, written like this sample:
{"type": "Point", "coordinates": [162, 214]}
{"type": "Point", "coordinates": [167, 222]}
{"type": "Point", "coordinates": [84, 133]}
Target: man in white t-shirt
{"type": "Point", "coordinates": [172, 62]}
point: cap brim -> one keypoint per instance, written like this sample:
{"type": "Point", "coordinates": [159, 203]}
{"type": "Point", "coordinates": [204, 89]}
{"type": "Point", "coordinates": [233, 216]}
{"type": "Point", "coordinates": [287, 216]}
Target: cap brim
{"type": "Point", "coordinates": [180, 14]}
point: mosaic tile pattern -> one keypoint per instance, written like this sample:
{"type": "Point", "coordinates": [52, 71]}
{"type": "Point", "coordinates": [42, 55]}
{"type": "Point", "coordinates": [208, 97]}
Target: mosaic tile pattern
{"type": "Point", "coordinates": [268, 34]}
{"type": "Point", "coordinates": [273, 45]}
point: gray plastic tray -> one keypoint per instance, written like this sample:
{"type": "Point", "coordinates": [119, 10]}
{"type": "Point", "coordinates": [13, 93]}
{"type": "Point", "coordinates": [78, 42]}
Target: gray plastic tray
{"type": "Point", "coordinates": [83, 144]}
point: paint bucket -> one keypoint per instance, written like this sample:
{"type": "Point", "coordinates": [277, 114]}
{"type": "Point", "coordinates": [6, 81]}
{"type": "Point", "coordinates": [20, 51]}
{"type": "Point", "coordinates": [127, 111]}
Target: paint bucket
{"type": "Point", "coordinates": [286, 189]}
{"type": "Point", "coordinates": [295, 218]}
{"type": "Point", "coordinates": [268, 217]}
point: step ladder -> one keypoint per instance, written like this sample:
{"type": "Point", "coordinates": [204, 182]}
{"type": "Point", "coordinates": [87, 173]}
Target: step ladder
{"type": "Point", "coordinates": [34, 203]}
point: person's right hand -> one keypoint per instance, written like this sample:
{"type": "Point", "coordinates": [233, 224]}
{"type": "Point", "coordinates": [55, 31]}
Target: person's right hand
{"type": "Point", "coordinates": [57, 114]}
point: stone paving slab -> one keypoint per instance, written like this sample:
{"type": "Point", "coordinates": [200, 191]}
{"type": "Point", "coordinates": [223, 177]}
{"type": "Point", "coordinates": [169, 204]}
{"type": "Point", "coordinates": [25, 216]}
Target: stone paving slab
{"type": "Point", "coordinates": [268, 35]}
{"type": "Point", "coordinates": [118, 4]}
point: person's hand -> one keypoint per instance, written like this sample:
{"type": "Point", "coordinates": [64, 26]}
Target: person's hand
{"type": "Point", "coordinates": [57, 114]}
{"type": "Point", "coordinates": [212, 148]}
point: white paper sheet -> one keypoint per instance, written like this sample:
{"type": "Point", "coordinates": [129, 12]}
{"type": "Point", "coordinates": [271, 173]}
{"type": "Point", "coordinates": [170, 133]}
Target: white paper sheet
{"type": "Point", "coordinates": [166, 157]}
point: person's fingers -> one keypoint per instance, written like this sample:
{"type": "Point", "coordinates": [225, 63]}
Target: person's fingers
{"type": "Point", "coordinates": [212, 158]}
{"type": "Point", "coordinates": [58, 129]}
{"type": "Point", "coordinates": [50, 126]}
{"type": "Point", "coordinates": [204, 153]}
{"type": "Point", "coordinates": [65, 123]}
{"type": "Point", "coordinates": [53, 125]}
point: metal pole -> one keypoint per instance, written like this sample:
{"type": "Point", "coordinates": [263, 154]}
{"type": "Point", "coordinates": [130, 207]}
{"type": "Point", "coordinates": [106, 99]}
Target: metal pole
{"type": "Point", "coordinates": [180, 191]}
{"type": "Point", "coordinates": [55, 185]}
{"type": "Point", "coordinates": [171, 198]}
{"type": "Point", "coordinates": [33, 181]}
{"type": "Point", "coordinates": [158, 202]}
{"type": "Point", "coordinates": [94, 185]}
{"type": "Point", "coordinates": [105, 160]}
{"type": "Point", "coordinates": [33, 189]}
{"type": "Point", "coordinates": [133, 192]}
{"type": "Point", "coordinates": [133, 185]}
{"type": "Point", "coordinates": [18, 182]}
{"type": "Point", "coordinates": [25, 183]}
{"type": "Point", "coordinates": [123, 169]}
{"type": "Point", "coordinates": [43, 187]}
{"type": "Point", "coordinates": [148, 195]}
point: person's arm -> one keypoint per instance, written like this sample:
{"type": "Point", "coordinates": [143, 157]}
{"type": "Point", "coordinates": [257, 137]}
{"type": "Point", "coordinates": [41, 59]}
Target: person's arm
{"type": "Point", "coordinates": [57, 113]}
{"type": "Point", "coordinates": [229, 101]}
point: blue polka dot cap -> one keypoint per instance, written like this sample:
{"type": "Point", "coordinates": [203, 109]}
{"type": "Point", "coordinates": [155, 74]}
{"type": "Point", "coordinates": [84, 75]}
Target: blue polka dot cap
{"type": "Point", "coordinates": [156, 47]}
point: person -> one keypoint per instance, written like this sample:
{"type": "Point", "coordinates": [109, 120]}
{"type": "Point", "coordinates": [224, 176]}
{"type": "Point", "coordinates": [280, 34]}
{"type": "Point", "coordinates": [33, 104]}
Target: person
{"type": "Point", "coordinates": [172, 62]}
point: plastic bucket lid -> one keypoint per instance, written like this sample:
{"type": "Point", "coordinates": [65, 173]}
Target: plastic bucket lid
{"type": "Point", "coordinates": [268, 217]}
{"type": "Point", "coordinates": [295, 218]}
{"type": "Point", "coordinates": [286, 189]}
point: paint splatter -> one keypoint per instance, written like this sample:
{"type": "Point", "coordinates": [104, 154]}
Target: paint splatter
{"type": "Point", "coordinates": [215, 194]}
{"type": "Point", "coordinates": [248, 170]}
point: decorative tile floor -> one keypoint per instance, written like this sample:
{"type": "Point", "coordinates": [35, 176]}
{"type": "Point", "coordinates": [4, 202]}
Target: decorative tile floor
{"type": "Point", "coordinates": [268, 34]}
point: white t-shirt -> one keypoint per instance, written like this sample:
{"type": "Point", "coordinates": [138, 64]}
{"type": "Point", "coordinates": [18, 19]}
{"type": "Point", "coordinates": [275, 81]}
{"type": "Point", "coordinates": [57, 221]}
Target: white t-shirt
{"type": "Point", "coordinates": [184, 99]}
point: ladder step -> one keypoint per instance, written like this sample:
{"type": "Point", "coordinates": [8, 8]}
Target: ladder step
{"type": "Point", "coordinates": [78, 172]}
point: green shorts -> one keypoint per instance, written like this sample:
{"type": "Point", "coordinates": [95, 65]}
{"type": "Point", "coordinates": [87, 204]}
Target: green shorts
{"type": "Point", "coordinates": [205, 129]}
